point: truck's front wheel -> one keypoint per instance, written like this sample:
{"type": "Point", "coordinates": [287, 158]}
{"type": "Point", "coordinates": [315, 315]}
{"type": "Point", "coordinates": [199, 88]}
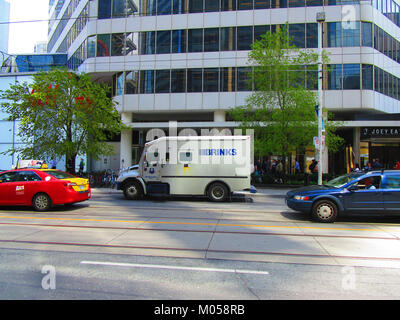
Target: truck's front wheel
{"type": "Point", "coordinates": [133, 190]}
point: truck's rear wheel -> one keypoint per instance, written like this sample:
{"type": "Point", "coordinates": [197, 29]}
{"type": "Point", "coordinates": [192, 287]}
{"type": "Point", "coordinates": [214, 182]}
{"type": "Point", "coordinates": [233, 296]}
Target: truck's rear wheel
{"type": "Point", "coordinates": [217, 192]}
{"type": "Point", "coordinates": [133, 190]}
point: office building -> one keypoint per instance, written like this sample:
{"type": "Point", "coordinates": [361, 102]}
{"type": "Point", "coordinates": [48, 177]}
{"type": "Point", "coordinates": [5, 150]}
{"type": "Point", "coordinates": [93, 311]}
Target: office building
{"type": "Point", "coordinates": [186, 61]}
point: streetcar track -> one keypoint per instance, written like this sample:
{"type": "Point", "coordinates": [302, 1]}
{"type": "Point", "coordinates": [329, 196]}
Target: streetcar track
{"type": "Point", "coordinates": [216, 225]}
{"type": "Point", "coordinates": [205, 251]}
{"type": "Point", "coordinates": [134, 215]}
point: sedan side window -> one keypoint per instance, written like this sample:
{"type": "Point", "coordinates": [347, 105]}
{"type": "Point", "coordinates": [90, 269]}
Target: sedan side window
{"type": "Point", "coordinates": [368, 183]}
{"type": "Point", "coordinates": [28, 176]}
{"type": "Point", "coordinates": [7, 177]}
{"type": "Point", "coordinates": [392, 182]}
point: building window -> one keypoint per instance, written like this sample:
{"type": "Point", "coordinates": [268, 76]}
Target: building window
{"type": "Point", "coordinates": [148, 8]}
{"type": "Point", "coordinates": [194, 80]}
{"type": "Point", "coordinates": [211, 5]}
{"type": "Point", "coordinates": [164, 7]}
{"type": "Point", "coordinates": [228, 39]}
{"type": "Point", "coordinates": [178, 80]}
{"type": "Point", "coordinates": [228, 79]}
{"type": "Point", "coordinates": [262, 4]}
{"type": "Point", "coordinates": [228, 5]}
{"type": "Point", "coordinates": [351, 34]}
{"type": "Point", "coordinates": [131, 82]}
{"type": "Point", "coordinates": [366, 34]}
{"type": "Point", "coordinates": [180, 6]}
{"type": "Point", "coordinates": [211, 39]}
{"type": "Point", "coordinates": [162, 81]}
{"type": "Point", "coordinates": [117, 44]}
{"type": "Point", "coordinates": [195, 40]}
{"type": "Point", "coordinates": [244, 38]}
{"type": "Point", "coordinates": [245, 4]}
{"type": "Point", "coordinates": [179, 41]}
{"type": "Point", "coordinates": [103, 45]}
{"type": "Point", "coordinates": [211, 80]}
{"type": "Point", "coordinates": [334, 34]}
{"type": "Point", "coordinates": [163, 42]}
{"type": "Point", "coordinates": [243, 79]}
{"type": "Point", "coordinates": [195, 6]}
{"type": "Point", "coordinates": [259, 31]}
{"type": "Point", "coordinates": [296, 3]}
{"type": "Point", "coordinates": [335, 77]}
{"type": "Point", "coordinates": [367, 77]}
{"type": "Point", "coordinates": [147, 81]}
{"type": "Point", "coordinates": [118, 8]}
{"type": "Point", "coordinates": [131, 40]}
{"type": "Point", "coordinates": [91, 47]}
{"type": "Point", "coordinates": [104, 9]}
{"type": "Point", "coordinates": [279, 4]}
{"type": "Point", "coordinates": [311, 35]}
{"type": "Point", "coordinates": [314, 3]}
{"type": "Point", "coordinates": [297, 33]}
{"type": "Point", "coordinates": [120, 84]}
{"type": "Point", "coordinates": [147, 41]}
{"type": "Point", "coordinates": [351, 76]}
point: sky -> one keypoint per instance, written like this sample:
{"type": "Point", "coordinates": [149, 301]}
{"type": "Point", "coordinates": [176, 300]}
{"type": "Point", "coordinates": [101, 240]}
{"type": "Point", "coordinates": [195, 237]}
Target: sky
{"type": "Point", "coordinates": [24, 35]}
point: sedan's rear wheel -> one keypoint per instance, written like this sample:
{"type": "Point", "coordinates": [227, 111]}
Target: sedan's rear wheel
{"type": "Point", "coordinates": [325, 211]}
{"type": "Point", "coordinates": [41, 202]}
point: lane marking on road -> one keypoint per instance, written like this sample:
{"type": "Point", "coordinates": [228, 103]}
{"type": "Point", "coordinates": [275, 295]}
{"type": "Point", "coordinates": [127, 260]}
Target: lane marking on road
{"type": "Point", "coordinates": [157, 266]}
{"type": "Point", "coordinates": [191, 223]}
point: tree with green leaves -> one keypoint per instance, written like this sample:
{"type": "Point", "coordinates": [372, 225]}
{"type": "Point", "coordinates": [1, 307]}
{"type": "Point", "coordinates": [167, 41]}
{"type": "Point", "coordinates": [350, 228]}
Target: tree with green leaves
{"type": "Point", "coordinates": [281, 109]}
{"type": "Point", "coordinates": [60, 114]}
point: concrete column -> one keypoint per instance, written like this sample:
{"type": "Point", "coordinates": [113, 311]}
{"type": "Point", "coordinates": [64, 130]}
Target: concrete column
{"type": "Point", "coordinates": [126, 142]}
{"type": "Point", "coordinates": [219, 116]}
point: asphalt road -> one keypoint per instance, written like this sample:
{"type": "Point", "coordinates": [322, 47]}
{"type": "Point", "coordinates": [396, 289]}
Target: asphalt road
{"type": "Point", "coordinates": [253, 248]}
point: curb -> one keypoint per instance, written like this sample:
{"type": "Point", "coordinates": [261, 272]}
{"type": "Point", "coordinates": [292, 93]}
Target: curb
{"type": "Point", "coordinates": [258, 194]}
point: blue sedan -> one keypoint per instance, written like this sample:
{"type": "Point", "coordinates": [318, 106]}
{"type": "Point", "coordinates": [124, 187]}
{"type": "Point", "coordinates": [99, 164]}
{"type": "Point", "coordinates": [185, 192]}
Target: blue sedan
{"type": "Point", "coordinates": [373, 192]}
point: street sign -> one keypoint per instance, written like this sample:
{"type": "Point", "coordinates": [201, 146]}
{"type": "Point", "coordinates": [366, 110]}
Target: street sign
{"type": "Point", "coordinates": [316, 143]}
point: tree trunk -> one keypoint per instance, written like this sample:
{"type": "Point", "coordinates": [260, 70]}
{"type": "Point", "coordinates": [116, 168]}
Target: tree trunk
{"type": "Point", "coordinates": [70, 164]}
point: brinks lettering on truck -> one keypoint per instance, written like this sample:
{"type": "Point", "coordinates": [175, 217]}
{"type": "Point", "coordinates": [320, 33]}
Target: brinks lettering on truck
{"type": "Point", "coordinates": [218, 152]}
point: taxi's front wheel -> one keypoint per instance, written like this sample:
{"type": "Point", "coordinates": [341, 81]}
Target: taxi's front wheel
{"type": "Point", "coordinates": [41, 202]}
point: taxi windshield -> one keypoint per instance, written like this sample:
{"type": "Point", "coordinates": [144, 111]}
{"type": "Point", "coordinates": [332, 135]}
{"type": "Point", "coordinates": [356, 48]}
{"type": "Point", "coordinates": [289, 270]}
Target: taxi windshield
{"type": "Point", "coordinates": [340, 181]}
{"type": "Point", "coordinates": [59, 174]}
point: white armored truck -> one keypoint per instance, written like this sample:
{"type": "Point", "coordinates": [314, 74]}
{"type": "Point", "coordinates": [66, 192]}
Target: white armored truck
{"type": "Point", "coordinates": [214, 166]}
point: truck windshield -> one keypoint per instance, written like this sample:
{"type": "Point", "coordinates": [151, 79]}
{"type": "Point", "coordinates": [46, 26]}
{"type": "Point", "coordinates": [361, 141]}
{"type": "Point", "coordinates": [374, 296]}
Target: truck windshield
{"type": "Point", "coordinates": [342, 180]}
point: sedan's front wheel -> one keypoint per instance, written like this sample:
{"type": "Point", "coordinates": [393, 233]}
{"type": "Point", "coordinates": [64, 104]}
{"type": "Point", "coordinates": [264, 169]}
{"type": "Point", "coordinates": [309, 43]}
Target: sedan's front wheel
{"type": "Point", "coordinates": [325, 211]}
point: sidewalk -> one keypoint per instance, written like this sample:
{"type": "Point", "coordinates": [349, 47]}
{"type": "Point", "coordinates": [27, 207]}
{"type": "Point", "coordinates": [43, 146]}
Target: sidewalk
{"type": "Point", "coordinates": [261, 191]}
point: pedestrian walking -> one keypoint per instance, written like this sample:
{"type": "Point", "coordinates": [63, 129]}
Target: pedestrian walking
{"type": "Point", "coordinates": [53, 163]}
{"type": "Point", "coordinates": [81, 167]}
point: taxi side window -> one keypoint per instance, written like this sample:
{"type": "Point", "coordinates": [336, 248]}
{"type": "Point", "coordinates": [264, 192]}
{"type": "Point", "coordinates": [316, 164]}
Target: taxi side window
{"type": "Point", "coordinates": [28, 176]}
{"type": "Point", "coordinates": [8, 177]}
{"type": "Point", "coordinates": [392, 182]}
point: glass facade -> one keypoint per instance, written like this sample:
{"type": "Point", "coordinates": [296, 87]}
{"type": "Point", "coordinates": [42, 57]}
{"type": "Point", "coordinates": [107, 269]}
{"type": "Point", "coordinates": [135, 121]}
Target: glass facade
{"type": "Point", "coordinates": [163, 7]}
{"type": "Point", "coordinates": [236, 79]}
{"type": "Point", "coordinates": [33, 63]}
{"type": "Point", "coordinates": [118, 8]}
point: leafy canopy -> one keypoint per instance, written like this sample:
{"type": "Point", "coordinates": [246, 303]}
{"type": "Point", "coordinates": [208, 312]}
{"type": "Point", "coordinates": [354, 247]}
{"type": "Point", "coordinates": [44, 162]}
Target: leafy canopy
{"type": "Point", "coordinates": [62, 114]}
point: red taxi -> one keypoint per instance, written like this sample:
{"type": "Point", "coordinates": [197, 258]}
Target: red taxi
{"type": "Point", "coordinates": [41, 188]}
